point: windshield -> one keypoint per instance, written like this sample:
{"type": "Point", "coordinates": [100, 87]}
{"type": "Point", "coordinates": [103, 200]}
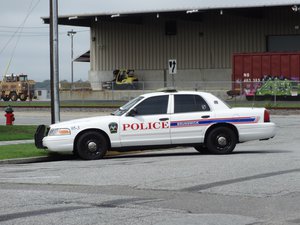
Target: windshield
{"type": "Point", "coordinates": [123, 109]}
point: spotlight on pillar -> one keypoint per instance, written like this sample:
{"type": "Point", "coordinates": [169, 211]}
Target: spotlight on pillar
{"type": "Point", "coordinates": [295, 8]}
{"type": "Point", "coordinates": [71, 34]}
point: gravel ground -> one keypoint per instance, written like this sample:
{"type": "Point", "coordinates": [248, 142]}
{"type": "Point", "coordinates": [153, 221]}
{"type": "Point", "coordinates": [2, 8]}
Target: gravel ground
{"type": "Point", "coordinates": [285, 111]}
{"type": "Point", "coordinates": [36, 116]}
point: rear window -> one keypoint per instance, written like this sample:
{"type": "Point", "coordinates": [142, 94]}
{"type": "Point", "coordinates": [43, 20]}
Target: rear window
{"type": "Point", "coordinates": [190, 103]}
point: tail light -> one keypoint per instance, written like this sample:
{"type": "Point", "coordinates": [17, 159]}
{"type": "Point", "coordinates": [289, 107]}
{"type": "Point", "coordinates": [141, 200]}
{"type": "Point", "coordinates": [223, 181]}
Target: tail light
{"type": "Point", "coordinates": [266, 116]}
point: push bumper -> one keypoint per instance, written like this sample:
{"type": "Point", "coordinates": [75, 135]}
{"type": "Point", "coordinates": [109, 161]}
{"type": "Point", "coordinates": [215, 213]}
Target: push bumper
{"type": "Point", "coordinates": [40, 133]}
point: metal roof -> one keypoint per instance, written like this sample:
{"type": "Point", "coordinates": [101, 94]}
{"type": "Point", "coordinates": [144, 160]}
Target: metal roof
{"type": "Point", "coordinates": [128, 9]}
{"type": "Point", "coordinates": [92, 7]}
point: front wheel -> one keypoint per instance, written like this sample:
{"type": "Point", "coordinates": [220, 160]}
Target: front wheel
{"type": "Point", "coordinates": [221, 140]}
{"type": "Point", "coordinates": [91, 145]}
{"type": "Point", "coordinates": [13, 96]}
{"type": "Point", "coordinates": [202, 149]}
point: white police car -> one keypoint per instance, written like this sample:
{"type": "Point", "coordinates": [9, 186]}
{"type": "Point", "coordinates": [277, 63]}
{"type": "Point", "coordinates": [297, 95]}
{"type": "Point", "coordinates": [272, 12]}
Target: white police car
{"type": "Point", "coordinates": [160, 119]}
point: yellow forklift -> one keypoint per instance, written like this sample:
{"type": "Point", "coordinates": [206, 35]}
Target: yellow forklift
{"type": "Point", "coordinates": [124, 79]}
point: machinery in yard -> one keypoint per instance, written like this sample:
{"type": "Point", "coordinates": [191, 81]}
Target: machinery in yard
{"type": "Point", "coordinates": [14, 87]}
{"type": "Point", "coordinates": [123, 79]}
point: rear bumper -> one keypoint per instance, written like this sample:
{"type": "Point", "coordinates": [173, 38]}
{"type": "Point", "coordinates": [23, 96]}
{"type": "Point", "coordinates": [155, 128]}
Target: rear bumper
{"type": "Point", "coordinates": [258, 131]}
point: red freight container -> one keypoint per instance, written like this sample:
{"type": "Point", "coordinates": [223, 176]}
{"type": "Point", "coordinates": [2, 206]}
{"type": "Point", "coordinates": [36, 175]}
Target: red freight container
{"type": "Point", "coordinates": [250, 67]}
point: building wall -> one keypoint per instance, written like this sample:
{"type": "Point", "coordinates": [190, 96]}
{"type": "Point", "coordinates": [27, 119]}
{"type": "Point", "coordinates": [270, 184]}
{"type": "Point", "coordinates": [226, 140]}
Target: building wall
{"type": "Point", "coordinates": [42, 94]}
{"type": "Point", "coordinates": [205, 47]}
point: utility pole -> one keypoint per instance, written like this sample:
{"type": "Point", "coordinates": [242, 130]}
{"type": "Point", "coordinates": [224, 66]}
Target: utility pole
{"type": "Point", "coordinates": [71, 34]}
{"type": "Point", "coordinates": [54, 71]}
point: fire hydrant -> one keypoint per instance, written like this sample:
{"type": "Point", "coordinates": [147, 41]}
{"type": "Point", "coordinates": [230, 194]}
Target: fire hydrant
{"type": "Point", "coordinates": [10, 117]}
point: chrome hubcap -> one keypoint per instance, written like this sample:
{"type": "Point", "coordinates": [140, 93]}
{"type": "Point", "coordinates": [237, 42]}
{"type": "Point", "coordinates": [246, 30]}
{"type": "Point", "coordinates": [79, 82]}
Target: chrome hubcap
{"type": "Point", "coordinates": [222, 141]}
{"type": "Point", "coordinates": [92, 146]}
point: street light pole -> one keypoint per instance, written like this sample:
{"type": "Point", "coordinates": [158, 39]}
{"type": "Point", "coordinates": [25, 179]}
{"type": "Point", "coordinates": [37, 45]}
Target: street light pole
{"type": "Point", "coordinates": [71, 34]}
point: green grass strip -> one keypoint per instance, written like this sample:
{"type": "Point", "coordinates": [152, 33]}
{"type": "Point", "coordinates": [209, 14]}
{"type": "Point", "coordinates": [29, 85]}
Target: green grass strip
{"type": "Point", "coordinates": [20, 151]}
{"type": "Point", "coordinates": [17, 132]}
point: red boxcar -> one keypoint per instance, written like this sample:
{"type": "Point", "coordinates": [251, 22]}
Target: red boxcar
{"type": "Point", "coordinates": [249, 67]}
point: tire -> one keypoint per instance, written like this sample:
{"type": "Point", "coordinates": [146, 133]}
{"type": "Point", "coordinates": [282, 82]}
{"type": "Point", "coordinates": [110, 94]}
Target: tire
{"type": "Point", "coordinates": [202, 149]}
{"type": "Point", "coordinates": [23, 97]}
{"type": "Point", "coordinates": [13, 96]}
{"type": "Point", "coordinates": [91, 145]}
{"type": "Point", "coordinates": [6, 99]}
{"type": "Point", "coordinates": [221, 140]}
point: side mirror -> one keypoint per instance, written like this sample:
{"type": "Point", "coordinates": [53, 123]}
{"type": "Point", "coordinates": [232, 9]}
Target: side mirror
{"type": "Point", "coordinates": [132, 112]}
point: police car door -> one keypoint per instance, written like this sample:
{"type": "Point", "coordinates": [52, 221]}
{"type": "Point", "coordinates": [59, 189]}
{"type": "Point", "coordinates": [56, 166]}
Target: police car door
{"type": "Point", "coordinates": [189, 120]}
{"type": "Point", "coordinates": [147, 123]}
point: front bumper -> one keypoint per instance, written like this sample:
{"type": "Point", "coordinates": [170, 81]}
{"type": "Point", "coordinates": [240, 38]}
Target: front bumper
{"type": "Point", "coordinates": [52, 143]}
{"type": "Point", "coordinates": [58, 143]}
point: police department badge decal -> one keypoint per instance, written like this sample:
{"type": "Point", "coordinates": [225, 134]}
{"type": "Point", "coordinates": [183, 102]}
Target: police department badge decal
{"type": "Point", "coordinates": [113, 127]}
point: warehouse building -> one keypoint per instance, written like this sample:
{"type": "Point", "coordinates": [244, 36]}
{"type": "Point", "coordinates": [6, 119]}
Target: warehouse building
{"type": "Point", "coordinates": [201, 38]}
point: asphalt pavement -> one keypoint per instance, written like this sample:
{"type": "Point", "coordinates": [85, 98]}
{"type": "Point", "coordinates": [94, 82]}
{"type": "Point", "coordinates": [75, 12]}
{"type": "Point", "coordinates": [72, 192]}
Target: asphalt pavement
{"type": "Point", "coordinates": [259, 184]}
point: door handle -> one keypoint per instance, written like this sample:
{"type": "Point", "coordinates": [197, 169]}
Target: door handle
{"type": "Point", "coordinates": [205, 116]}
{"type": "Point", "coordinates": [163, 119]}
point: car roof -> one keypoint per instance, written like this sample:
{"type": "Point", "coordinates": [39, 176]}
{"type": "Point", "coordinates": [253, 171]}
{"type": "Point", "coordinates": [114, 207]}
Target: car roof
{"type": "Point", "coordinates": [158, 93]}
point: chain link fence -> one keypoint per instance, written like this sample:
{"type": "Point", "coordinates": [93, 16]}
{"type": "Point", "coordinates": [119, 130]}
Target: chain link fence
{"type": "Point", "coordinates": [265, 92]}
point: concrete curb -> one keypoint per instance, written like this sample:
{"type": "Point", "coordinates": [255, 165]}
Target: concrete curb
{"type": "Point", "coordinates": [28, 160]}
{"type": "Point", "coordinates": [37, 159]}
{"type": "Point", "coordinates": [23, 160]}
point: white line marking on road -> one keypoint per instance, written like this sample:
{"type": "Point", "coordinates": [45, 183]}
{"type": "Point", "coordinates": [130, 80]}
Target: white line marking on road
{"type": "Point", "coordinates": [23, 178]}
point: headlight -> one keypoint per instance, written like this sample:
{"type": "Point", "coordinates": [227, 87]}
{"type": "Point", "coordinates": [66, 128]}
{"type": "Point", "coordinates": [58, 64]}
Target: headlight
{"type": "Point", "coordinates": [59, 131]}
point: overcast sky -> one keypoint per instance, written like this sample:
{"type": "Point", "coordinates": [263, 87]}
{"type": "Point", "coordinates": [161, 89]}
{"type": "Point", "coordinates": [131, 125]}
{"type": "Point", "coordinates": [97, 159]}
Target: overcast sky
{"type": "Point", "coordinates": [31, 54]}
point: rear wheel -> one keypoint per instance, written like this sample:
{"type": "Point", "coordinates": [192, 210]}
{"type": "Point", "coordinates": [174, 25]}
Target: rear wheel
{"type": "Point", "coordinates": [5, 99]}
{"type": "Point", "coordinates": [23, 97]}
{"type": "Point", "coordinates": [13, 96]}
{"type": "Point", "coordinates": [221, 140]}
{"type": "Point", "coordinates": [91, 145]}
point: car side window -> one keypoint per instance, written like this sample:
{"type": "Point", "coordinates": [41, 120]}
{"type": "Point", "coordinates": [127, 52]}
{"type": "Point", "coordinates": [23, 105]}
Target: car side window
{"type": "Point", "coordinates": [190, 103]}
{"type": "Point", "coordinates": [153, 105]}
